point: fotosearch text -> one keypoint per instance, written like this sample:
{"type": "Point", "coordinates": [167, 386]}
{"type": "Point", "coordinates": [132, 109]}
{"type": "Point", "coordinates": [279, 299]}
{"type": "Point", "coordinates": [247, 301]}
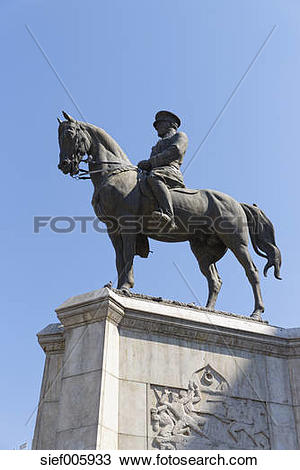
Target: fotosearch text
{"type": "Point", "coordinates": [135, 224]}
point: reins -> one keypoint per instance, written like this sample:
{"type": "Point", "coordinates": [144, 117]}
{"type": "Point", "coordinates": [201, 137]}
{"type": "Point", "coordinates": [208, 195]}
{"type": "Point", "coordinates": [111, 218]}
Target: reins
{"type": "Point", "coordinates": [83, 173]}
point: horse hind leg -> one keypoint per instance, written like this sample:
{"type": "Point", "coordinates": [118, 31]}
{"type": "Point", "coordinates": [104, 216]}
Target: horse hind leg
{"type": "Point", "coordinates": [207, 256]}
{"type": "Point", "coordinates": [214, 284]}
{"type": "Point", "coordinates": [242, 254]}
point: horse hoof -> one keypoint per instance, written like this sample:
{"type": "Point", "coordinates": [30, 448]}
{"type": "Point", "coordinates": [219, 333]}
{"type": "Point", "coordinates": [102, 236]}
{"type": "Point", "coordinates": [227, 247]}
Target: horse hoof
{"type": "Point", "coordinates": [109, 285]}
{"type": "Point", "coordinates": [126, 291]}
{"type": "Point", "coordinates": [256, 316]}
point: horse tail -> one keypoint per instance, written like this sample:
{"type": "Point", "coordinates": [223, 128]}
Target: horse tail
{"type": "Point", "coordinates": [262, 236]}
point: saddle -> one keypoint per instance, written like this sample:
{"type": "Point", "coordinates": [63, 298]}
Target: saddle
{"type": "Point", "coordinates": [146, 190]}
{"type": "Point", "coordinates": [142, 242]}
{"type": "Point", "coordinates": [184, 190]}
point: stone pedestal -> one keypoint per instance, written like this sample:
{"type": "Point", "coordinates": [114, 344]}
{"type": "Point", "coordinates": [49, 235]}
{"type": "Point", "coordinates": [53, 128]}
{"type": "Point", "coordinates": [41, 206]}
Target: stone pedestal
{"type": "Point", "coordinates": [142, 373]}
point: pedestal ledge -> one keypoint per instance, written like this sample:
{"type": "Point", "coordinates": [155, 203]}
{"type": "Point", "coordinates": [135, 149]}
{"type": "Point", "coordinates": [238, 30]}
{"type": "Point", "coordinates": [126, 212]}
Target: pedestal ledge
{"type": "Point", "coordinates": [91, 307]}
{"type": "Point", "coordinates": [160, 316]}
{"type": "Point", "coordinates": [51, 338]}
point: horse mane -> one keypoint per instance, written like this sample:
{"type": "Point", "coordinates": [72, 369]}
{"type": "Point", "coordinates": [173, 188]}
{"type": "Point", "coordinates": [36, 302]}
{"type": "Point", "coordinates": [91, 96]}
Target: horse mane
{"type": "Point", "coordinates": [106, 140]}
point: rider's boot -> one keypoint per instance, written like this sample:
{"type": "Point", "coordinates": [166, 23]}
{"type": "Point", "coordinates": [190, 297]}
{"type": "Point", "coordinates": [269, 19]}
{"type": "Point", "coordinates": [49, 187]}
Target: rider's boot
{"type": "Point", "coordinates": [164, 218]}
{"type": "Point", "coordinates": [165, 213]}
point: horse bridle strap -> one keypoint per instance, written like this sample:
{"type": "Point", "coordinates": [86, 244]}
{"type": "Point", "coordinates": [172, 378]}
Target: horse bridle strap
{"type": "Point", "coordinates": [88, 172]}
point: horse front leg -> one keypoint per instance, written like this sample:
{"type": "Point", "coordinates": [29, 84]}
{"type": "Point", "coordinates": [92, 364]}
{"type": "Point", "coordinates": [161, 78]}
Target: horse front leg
{"type": "Point", "coordinates": [128, 242]}
{"type": "Point", "coordinates": [118, 246]}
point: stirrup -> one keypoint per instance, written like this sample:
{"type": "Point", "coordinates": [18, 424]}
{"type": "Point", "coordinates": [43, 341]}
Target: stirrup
{"type": "Point", "coordinates": [164, 218]}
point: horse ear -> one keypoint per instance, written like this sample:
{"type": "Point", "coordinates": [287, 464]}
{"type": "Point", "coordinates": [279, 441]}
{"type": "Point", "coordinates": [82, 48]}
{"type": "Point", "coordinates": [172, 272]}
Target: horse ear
{"type": "Point", "coordinates": [68, 117]}
{"type": "Point", "coordinates": [59, 121]}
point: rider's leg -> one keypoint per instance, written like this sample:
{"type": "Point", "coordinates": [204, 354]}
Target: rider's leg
{"type": "Point", "coordinates": [163, 197]}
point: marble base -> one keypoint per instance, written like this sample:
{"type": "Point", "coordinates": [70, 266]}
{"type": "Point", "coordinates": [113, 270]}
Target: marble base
{"type": "Point", "coordinates": [144, 373]}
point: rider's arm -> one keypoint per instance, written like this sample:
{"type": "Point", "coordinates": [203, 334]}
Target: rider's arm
{"type": "Point", "coordinates": [173, 153]}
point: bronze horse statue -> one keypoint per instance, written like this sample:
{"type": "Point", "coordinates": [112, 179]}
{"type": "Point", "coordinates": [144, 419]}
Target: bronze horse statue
{"type": "Point", "coordinates": [211, 221]}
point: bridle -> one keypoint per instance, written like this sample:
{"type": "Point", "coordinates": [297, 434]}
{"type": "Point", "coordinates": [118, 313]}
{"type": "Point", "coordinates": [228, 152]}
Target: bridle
{"type": "Point", "coordinates": [85, 174]}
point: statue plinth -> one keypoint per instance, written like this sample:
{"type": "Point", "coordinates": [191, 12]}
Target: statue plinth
{"type": "Point", "coordinates": [143, 373]}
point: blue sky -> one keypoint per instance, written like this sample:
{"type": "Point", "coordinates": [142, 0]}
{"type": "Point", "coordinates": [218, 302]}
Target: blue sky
{"type": "Point", "coordinates": [122, 61]}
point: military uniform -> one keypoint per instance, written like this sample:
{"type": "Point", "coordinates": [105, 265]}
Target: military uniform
{"type": "Point", "coordinates": [164, 164]}
{"type": "Point", "coordinates": [166, 158]}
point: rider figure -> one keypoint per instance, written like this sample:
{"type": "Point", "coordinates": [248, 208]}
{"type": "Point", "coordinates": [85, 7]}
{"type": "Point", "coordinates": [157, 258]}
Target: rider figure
{"type": "Point", "coordinates": [164, 164]}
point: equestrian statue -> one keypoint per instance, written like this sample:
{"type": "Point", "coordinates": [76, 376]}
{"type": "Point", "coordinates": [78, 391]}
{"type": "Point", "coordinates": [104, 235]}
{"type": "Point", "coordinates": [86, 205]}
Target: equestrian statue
{"type": "Point", "coordinates": [150, 200]}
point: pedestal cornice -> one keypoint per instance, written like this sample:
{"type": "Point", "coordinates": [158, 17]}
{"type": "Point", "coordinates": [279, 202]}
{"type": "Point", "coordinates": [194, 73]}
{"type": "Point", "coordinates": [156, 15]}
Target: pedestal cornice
{"type": "Point", "coordinates": [176, 319]}
{"type": "Point", "coordinates": [90, 308]}
{"type": "Point", "coordinates": [51, 339]}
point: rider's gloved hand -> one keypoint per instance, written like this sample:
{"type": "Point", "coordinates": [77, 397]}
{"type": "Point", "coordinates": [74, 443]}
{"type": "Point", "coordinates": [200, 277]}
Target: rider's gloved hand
{"type": "Point", "coordinates": [145, 165]}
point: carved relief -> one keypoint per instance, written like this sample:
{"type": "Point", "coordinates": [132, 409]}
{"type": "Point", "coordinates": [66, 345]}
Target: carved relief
{"type": "Point", "coordinates": [206, 416]}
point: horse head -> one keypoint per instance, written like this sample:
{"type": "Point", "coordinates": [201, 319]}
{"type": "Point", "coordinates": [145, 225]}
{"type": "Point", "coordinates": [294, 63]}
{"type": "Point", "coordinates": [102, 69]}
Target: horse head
{"type": "Point", "coordinates": [74, 142]}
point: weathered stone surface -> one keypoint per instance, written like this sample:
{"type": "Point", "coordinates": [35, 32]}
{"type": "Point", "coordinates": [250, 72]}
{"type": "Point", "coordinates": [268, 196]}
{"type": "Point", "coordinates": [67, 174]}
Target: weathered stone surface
{"type": "Point", "coordinates": [45, 432]}
{"type": "Point", "coordinates": [79, 402]}
{"type": "Point", "coordinates": [131, 442]}
{"type": "Point", "coordinates": [296, 410]}
{"type": "Point", "coordinates": [107, 439]}
{"type": "Point", "coordinates": [134, 373]}
{"type": "Point", "coordinates": [51, 340]}
{"type": "Point", "coordinates": [79, 438]}
{"type": "Point", "coordinates": [279, 388]}
{"type": "Point", "coordinates": [294, 370]}
{"type": "Point", "coordinates": [282, 426]}
{"type": "Point", "coordinates": [84, 348]}
{"type": "Point", "coordinates": [133, 396]}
